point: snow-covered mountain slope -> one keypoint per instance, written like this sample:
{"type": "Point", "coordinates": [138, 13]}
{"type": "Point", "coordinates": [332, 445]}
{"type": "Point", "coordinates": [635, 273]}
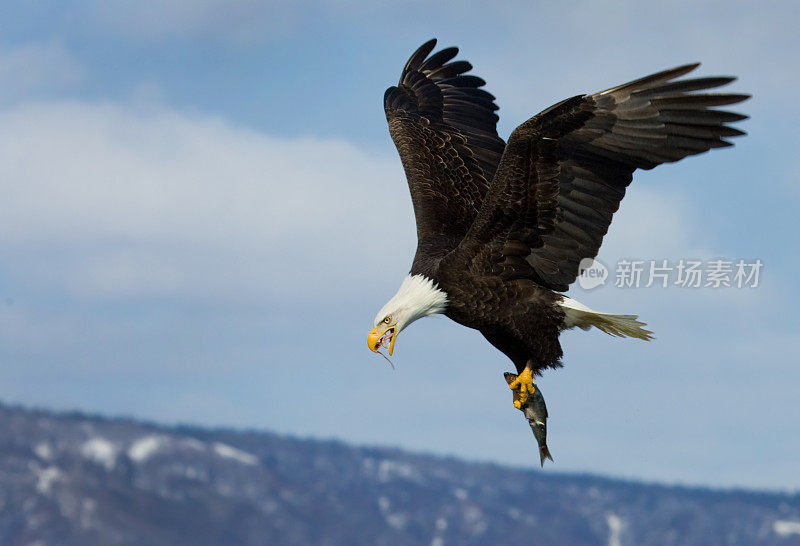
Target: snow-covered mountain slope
{"type": "Point", "coordinates": [76, 479]}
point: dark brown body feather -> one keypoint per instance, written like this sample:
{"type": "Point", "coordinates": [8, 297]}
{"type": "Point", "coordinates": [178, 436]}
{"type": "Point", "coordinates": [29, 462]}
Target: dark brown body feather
{"type": "Point", "coordinates": [501, 227]}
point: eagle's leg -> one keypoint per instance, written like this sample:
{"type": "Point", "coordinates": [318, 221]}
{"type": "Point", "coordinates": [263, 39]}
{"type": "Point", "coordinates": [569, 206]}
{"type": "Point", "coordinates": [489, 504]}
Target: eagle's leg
{"type": "Point", "coordinates": [523, 387]}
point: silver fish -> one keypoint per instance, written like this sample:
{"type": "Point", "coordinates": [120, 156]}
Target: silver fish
{"type": "Point", "coordinates": [535, 411]}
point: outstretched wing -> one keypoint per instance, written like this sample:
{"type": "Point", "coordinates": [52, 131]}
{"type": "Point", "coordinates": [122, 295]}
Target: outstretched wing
{"type": "Point", "coordinates": [565, 171]}
{"type": "Point", "coordinates": [443, 125]}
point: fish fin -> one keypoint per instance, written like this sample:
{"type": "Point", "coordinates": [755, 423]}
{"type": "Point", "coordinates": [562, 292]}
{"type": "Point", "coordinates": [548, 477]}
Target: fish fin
{"type": "Point", "coordinates": [544, 453]}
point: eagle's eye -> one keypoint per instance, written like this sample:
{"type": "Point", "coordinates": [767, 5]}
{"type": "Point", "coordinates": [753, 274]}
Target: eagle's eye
{"type": "Point", "coordinates": [387, 320]}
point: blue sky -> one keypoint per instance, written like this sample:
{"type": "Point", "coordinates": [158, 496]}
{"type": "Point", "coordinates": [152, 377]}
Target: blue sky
{"type": "Point", "coordinates": [202, 211]}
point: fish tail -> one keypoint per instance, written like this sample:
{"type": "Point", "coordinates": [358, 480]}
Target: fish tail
{"type": "Point", "coordinates": [544, 453]}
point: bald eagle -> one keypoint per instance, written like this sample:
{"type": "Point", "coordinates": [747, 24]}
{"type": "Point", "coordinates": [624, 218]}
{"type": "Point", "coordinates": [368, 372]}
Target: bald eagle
{"type": "Point", "coordinates": [502, 227]}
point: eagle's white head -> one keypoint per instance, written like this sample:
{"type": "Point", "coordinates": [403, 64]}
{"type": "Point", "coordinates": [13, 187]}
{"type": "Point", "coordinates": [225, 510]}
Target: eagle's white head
{"type": "Point", "coordinates": [417, 297]}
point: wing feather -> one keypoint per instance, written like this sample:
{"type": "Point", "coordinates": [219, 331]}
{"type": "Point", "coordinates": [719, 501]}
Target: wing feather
{"type": "Point", "coordinates": [444, 127]}
{"type": "Point", "coordinates": [584, 151]}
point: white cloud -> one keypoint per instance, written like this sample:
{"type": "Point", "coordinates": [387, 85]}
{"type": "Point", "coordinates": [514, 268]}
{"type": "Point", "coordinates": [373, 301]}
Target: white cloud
{"type": "Point", "coordinates": [654, 221]}
{"type": "Point", "coordinates": [126, 203]}
{"type": "Point", "coordinates": [35, 68]}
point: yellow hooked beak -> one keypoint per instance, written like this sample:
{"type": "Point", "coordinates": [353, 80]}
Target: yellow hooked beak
{"type": "Point", "coordinates": [377, 338]}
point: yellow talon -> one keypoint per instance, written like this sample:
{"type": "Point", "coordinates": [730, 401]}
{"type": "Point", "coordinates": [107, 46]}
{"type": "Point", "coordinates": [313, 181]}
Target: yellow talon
{"type": "Point", "coordinates": [522, 387]}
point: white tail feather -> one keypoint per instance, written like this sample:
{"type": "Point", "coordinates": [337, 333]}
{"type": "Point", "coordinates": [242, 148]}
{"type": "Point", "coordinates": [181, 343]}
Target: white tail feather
{"type": "Point", "coordinates": [577, 314]}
